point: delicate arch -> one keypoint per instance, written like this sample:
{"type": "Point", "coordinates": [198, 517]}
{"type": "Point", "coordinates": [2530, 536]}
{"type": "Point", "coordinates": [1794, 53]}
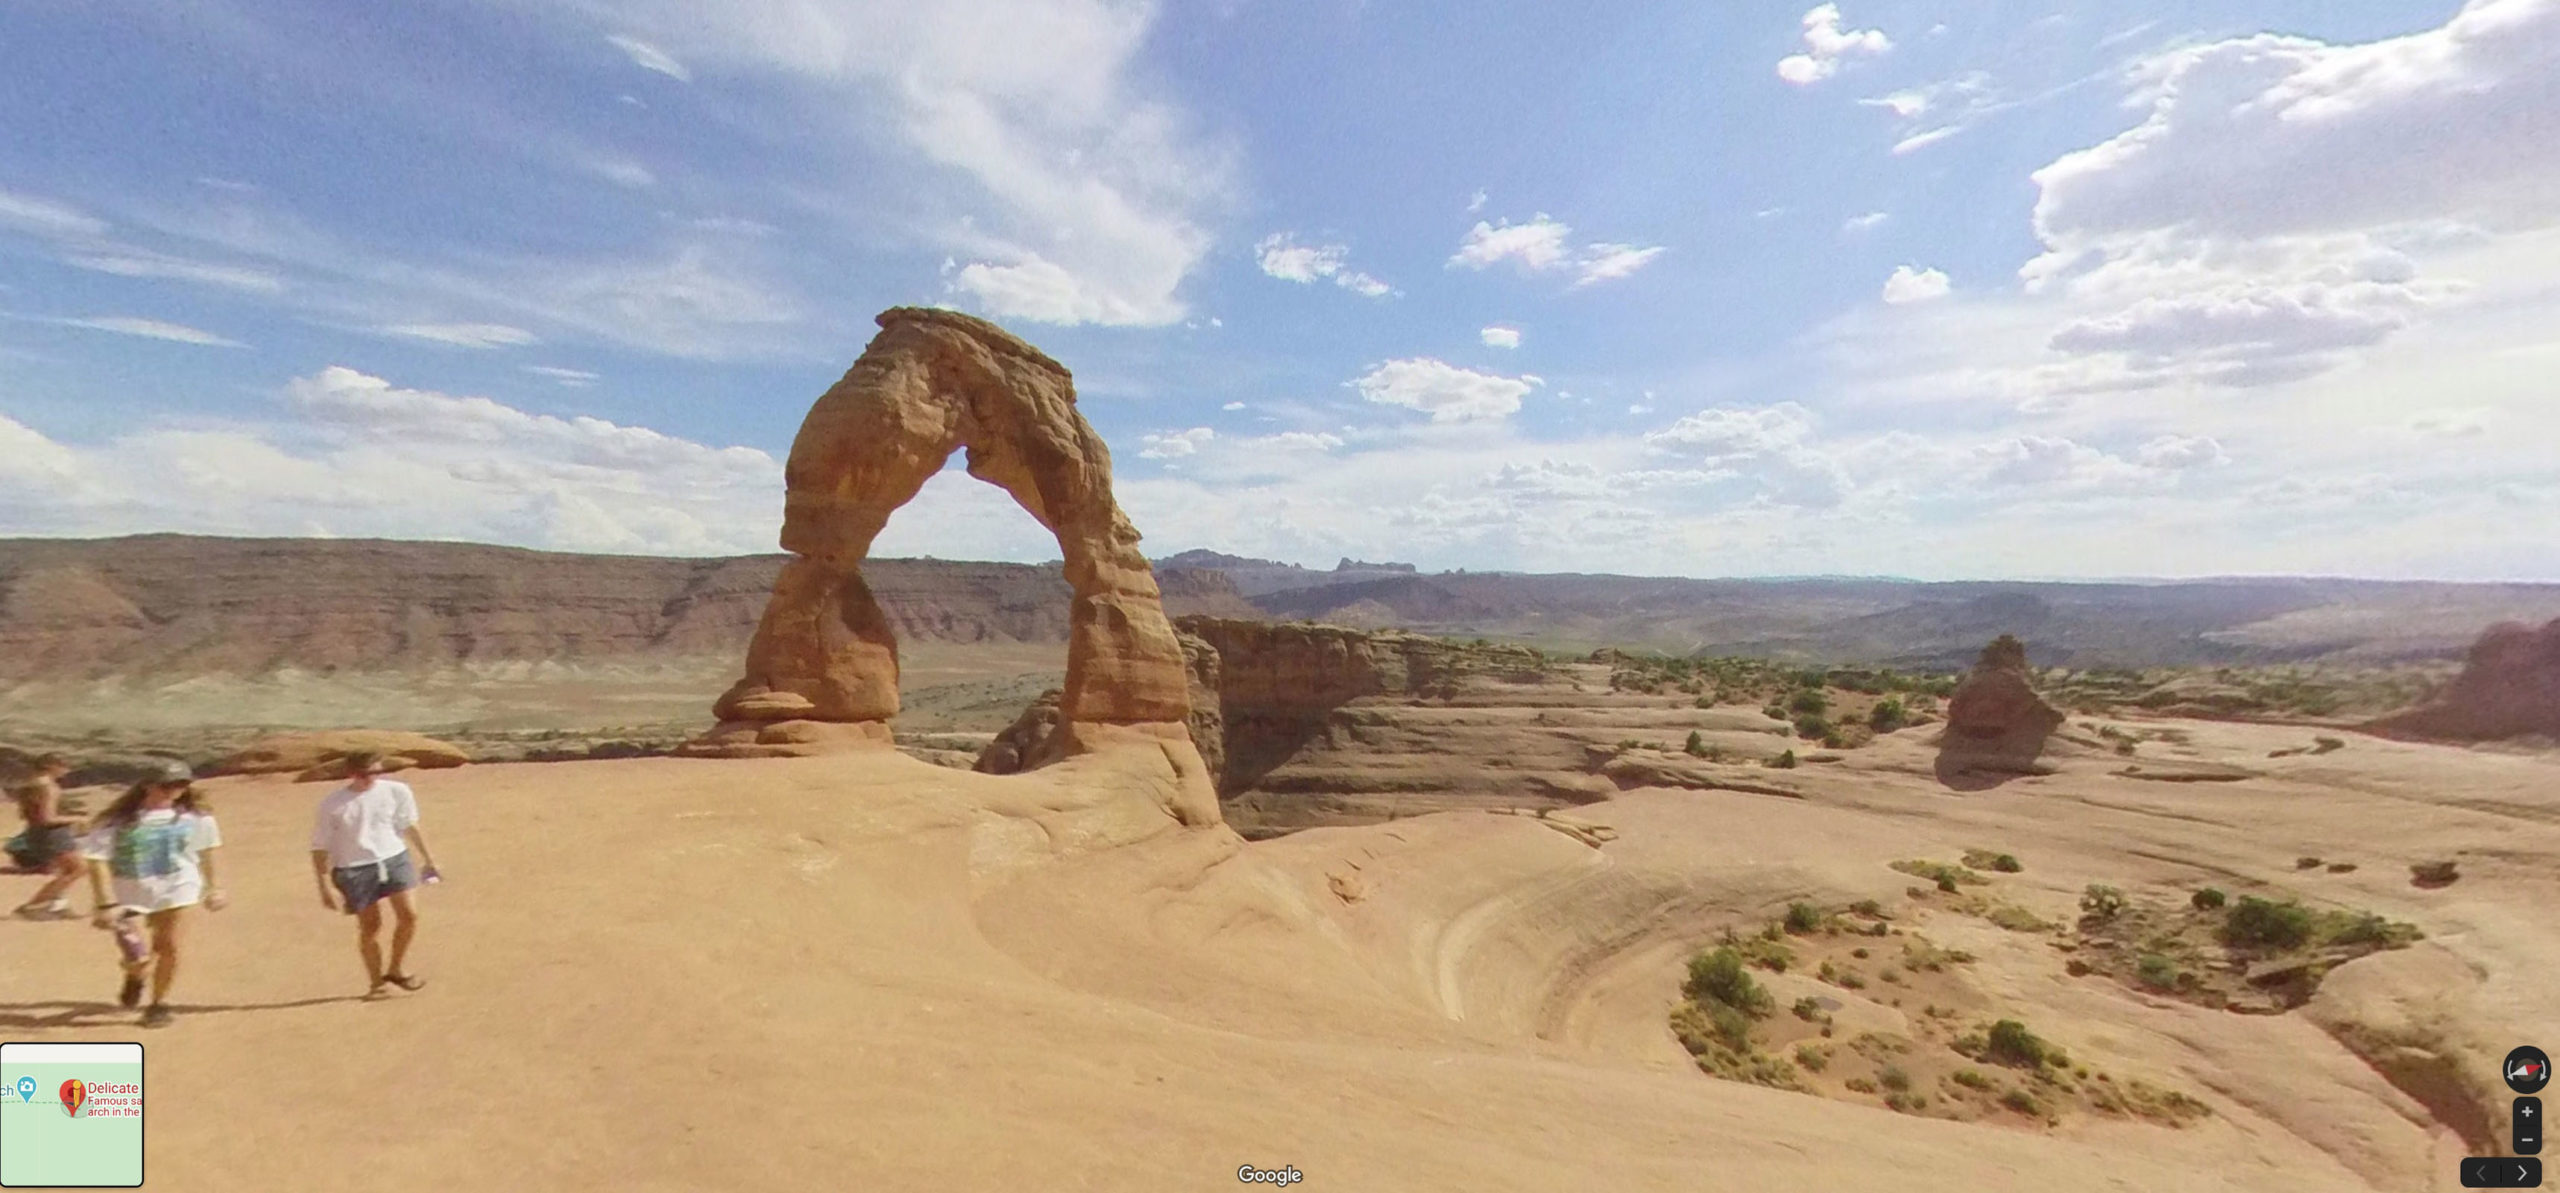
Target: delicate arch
{"type": "Point", "coordinates": [931, 383]}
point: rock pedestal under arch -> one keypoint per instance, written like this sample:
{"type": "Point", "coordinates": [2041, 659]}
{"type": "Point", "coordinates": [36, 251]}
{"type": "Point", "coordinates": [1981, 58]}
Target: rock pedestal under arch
{"type": "Point", "coordinates": [822, 670]}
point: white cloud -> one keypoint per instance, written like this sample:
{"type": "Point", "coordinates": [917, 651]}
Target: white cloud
{"type": "Point", "coordinates": [1281, 256]}
{"type": "Point", "coordinates": [1476, 201]}
{"type": "Point", "coordinates": [2174, 452]}
{"type": "Point", "coordinates": [1444, 391]}
{"type": "Point", "coordinates": [649, 57]}
{"type": "Point", "coordinates": [1827, 46]}
{"type": "Point", "coordinates": [360, 456]}
{"type": "Point", "coordinates": [1542, 246]}
{"type": "Point", "coordinates": [1171, 445]}
{"type": "Point", "coordinates": [2266, 219]}
{"type": "Point", "coordinates": [1864, 223]}
{"type": "Point", "coordinates": [1768, 447]}
{"type": "Point", "coordinates": [463, 335]}
{"type": "Point", "coordinates": [140, 263]}
{"type": "Point", "coordinates": [1538, 245]}
{"type": "Point", "coordinates": [155, 329]}
{"type": "Point", "coordinates": [574, 378]}
{"type": "Point", "coordinates": [1070, 185]}
{"type": "Point", "coordinates": [1300, 441]}
{"type": "Point", "coordinates": [1908, 285]}
{"type": "Point", "coordinates": [44, 217]}
{"type": "Point", "coordinates": [1500, 337]}
{"type": "Point", "coordinates": [1232, 406]}
{"type": "Point", "coordinates": [1919, 141]}
{"type": "Point", "coordinates": [2044, 461]}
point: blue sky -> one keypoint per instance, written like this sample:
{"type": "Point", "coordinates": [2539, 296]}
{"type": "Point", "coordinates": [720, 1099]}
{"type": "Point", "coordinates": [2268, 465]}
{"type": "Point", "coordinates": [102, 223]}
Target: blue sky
{"type": "Point", "coordinates": [1714, 289]}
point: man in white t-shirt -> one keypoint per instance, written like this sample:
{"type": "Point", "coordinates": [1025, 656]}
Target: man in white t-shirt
{"type": "Point", "coordinates": [360, 857]}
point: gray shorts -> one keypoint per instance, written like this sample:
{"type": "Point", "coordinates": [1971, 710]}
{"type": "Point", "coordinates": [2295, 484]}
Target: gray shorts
{"type": "Point", "coordinates": [365, 885]}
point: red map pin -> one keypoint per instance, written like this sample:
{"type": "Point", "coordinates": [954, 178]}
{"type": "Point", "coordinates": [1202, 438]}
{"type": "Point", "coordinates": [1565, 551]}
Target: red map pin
{"type": "Point", "coordinates": [74, 1095]}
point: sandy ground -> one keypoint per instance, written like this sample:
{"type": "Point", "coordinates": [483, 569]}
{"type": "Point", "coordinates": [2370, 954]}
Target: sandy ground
{"type": "Point", "coordinates": [868, 972]}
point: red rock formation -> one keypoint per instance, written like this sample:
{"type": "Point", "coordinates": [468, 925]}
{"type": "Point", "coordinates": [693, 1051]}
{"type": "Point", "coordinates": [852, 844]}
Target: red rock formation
{"type": "Point", "coordinates": [823, 667]}
{"type": "Point", "coordinates": [1995, 721]}
{"type": "Point", "coordinates": [2509, 687]}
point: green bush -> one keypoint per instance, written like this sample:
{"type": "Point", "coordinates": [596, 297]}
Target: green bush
{"type": "Point", "coordinates": [1810, 701]}
{"type": "Point", "coordinates": [1972, 1079]}
{"type": "Point", "coordinates": [2102, 902]}
{"type": "Point", "coordinates": [1813, 1059]}
{"type": "Point", "coordinates": [1808, 1009]}
{"type": "Point", "coordinates": [1719, 977]}
{"type": "Point", "coordinates": [2023, 1102]}
{"type": "Point", "coordinates": [1894, 1079]}
{"type": "Point", "coordinates": [1786, 760]}
{"type": "Point", "coordinates": [1803, 918]}
{"type": "Point", "coordinates": [2255, 923]}
{"type": "Point", "coordinates": [2010, 1043]}
{"type": "Point", "coordinates": [1697, 746]}
{"type": "Point", "coordinates": [1775, 712]}
{"type": "Point", "coordinates": [2208, 899]}
{"type": "Point", "coordinates": [2156, 971]}
{"type": "Point", "coordinates": [1887, 716]}
{"type": "Point", "coordinates": [1812, 727]}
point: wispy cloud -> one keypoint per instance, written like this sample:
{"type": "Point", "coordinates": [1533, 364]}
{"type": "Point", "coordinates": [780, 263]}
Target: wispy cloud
{"type": "Point", "coordinates": [153, 329]}
{"type": "Point", "coordinates": [464, 335]}
{"type": "Point", "coordinates": [1281, 256]}
{"type": "Point", "coordinates": [649, 57]}
{"type": "Point", "coordinates": [1543, 245]}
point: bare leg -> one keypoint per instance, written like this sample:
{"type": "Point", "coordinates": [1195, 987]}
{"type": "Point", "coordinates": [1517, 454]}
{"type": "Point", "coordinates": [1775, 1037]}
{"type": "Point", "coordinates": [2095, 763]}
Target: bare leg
{"type": "Point", "coordinates": [167, 929]}
{"type": "Point", "coordinates": [66, 870]}
{"type": "Point", "coordinates": [404, 913]}
{"type": "Point", "coordinates": [369, 942]}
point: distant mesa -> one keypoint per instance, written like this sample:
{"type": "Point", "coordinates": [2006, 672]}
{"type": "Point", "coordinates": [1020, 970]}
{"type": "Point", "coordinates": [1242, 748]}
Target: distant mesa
{"type": "Point", "coordinates": [1996, 723]}
{"type": "Point", "coordinates": [2509, 687]}
{"type": "Point", "coordinates": [822, 669]}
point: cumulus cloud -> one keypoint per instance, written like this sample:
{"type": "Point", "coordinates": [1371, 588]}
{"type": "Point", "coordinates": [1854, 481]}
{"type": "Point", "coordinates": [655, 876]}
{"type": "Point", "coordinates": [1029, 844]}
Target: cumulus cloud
{"type": "Point", "coordinates": [1770, 447]}
{"type": "Point", "coordinates": [649, 57]}
{"type": "Point", "coordinates": [2263, 221]}
{"type": "Point", "coordinates": [1498, 336]}
{"type": "Point", "coordinates": [154, 329]}
{"type": "Point", "coordinates": [1827, 46]}
{"type": "Point", "coordinates": [2174, 452]}
{"type": "Point", "coordinates": [1300, 441]}
{"type": "Point", "coordinates": [1543, 245]}
{"type": "Point", "coordinates": [1281, 256]}
{"type": "Point", "coordinates": [2045, 461]}
{"type": "Point", "coordinates": [1908, 285]}
{"type": "Point", "coordinates": [361, 456]}
{"type": "Point", "coordinates": [1444, 391]}
{"type": "Point", "coordinates": [1173, 445]}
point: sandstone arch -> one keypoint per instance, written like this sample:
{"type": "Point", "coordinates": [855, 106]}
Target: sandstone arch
{"type": "Point", "coordinates": [823, 666]}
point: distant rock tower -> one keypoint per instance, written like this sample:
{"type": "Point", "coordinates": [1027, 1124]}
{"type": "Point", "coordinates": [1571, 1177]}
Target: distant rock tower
{"type": "Point", "coordinates": [1996, 723]}
{"type": "Point", "coordinates": [822, 671]}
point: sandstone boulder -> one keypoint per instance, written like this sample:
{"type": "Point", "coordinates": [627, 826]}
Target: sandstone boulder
{"type": "Point", "coordinates": [1031, 742]}
{"type": "Point", "coordinates": [2509, 687]}
{"type": "Point", "coordinates": [322, 755]}
{"type": "Point", "coordinates": [1996, 723]}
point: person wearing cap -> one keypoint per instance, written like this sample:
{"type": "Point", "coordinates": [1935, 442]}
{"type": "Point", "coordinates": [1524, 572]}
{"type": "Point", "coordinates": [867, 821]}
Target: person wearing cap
{"type": "Point", "coordinates": [151, 853]}
{"type": "Point", "coordinates": [52, 840]}
{"type": "Point", "coordinates": [360, 859]}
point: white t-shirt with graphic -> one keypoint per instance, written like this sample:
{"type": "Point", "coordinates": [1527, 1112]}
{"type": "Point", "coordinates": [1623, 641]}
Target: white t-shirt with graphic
{"type": "Point", "coordinates": [359, 828]}
{"type": "Point", "coordinates": [157, 861]}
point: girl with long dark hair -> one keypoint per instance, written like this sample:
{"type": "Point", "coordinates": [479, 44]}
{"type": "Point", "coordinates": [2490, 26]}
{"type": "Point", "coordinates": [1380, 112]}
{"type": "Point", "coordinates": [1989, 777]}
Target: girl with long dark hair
{"type": "Point", "coordinates": [154, 847]}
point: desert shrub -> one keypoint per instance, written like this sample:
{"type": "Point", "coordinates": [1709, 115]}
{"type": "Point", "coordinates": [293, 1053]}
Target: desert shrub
{"type": "Point", "coordinates": [1775, 712]}
{"type": "Point", "coordinates": [2102, 902]}
{"type": "Point", "coordinates": [1710, 701]}
{"type": "Point", "coordinates": [1972, 1079]}
{"type": "Point", "coordinates": [1813, 727]}
{"type": "Point", "coordinates": [1810, 700]}
{"type": "Point", "coordinates": [2125, 747]}
{"type": "Point", "coordinates": [1888, 715]}
{"type": "Point", "coordinates": [2156, 971]}
{"type": "Point", "coordinates": [1719, 977]}
{"type": "Point", "coordinates": [2023, 1102]}
{"type": "Point", "coordinates": [2306, 863]}
{"type": "Point", "coordinates": [1813, 1058]}
{"type": "Point", "coordinates": [1849, 980]}
{"type": "Point", "coordinates": [1827, 972]}
{"type": "Point", "coordinates": [2362, 927]}
{"type": "Point", "coordinates": [1868, 908]}
{"type": "Point", "coordinates": [1712, 1030]}
{"type": "Point", "coordinates": [2007, 864]}
{"type": "Point", "coordinates": [2010, 1043]}
{"type": "Point", "coordinates": [2323, 745]}
{"type": "Point", "coordinates": [1860, 1085]}
{"type": "Point", "coordinates": [1697, 744]}
{"type": "Point", "coordinates": [2208, 899]}
{"type": "Point", "coordinates": [1947, 883]}
{"type": "Point", "coordinates": [2015, 918]}
{"type": "Point", "coordinates": [1889, 975]}
{"type": "Point", "coordinates": [1803, 918]}
{"type": "Point", "coordinates": [1784, 761]}
{"type": "Point", "coordinates": [1628, 743]}
{"type": "Point", "coordinates": [2255, 923]}
{"type": "Point", "coordinates": [1808, 1008]}
{"type": "Point", "coordinates": [1893, 1078]}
